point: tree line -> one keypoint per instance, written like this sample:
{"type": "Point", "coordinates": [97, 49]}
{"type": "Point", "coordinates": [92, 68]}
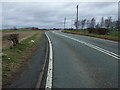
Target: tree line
{"type": "Point", "coordinates": [104, 23]}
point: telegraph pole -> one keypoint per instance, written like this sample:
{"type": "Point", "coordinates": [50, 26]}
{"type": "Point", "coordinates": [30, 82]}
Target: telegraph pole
{"type": "Point", "coordinates": [119, 15]}
{"type": "Point", "coordinates": [71, 23]}
{"type": "Point", "coordinates": [77, 18]}
{"type": "Point", "coordinates": [64, 23]}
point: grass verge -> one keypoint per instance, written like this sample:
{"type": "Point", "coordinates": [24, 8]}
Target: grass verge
{"type": "Point", "coordinates": [14, 59]}
{"type": "Point", "coordinates": [113, 35]}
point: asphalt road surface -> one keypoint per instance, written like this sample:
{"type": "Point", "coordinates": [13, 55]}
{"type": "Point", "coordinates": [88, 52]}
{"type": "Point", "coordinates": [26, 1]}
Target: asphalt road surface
{"type": "Point", "coordinates": [83, 62]}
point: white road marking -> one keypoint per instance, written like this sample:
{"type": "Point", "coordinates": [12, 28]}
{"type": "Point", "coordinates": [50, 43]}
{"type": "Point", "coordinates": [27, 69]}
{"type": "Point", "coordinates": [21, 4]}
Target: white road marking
{"type": "Point", "coordinates": [94, 47]}
{"type": "Point", "coordinates": [97, 38]}
{"type": "Point", "coordinates": [50, 66]}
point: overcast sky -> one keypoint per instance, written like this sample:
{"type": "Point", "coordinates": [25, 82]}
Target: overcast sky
{"type": "Point", "coordinates": [52, 14]}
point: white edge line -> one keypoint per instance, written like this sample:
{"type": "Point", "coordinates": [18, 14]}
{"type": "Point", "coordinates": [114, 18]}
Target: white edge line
{"type": "Point", "coordinates": [50, 65]}
{"type": "Point", "coordinates": [110, 41]}
{"type": "Point", "coordinates": [93, 46]}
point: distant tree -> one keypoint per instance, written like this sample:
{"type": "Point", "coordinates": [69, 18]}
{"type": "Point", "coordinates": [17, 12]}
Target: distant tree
{"type": "Point", "coordinates": [118, 24]}
{"type": "Point", "coordinates": [115, 24]}
{"type": "Point", "coordinates": [14, 28]}
{"type": "Point", "coordinates": [34, 28]}
{"type": "Point", "coordinates": [77, 24]}
{"type": "Point", "coordinates": [83, 23]}
{"type": "Point", "coordinates": [102, 22]}
{"type": "Point", "coordinates": [108, 22]}
{"type": "Point", "coordinates": [92, 23]}
{"type": "Point", "coordinates": [98, 25]}
{"type": "Point", "coordinates": [88, 23]}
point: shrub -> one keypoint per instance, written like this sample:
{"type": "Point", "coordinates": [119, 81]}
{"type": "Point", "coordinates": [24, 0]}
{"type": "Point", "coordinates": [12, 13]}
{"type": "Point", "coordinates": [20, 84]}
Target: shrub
{"type": "Point", "coordinates": [101, 31]}
{"type": "Point", "coordinates": [14, 38]}
{"type": "Point", "coordinates": [91, 30]}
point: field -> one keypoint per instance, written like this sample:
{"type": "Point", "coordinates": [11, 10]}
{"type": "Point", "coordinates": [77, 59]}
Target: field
{"type": "Point", "coordinates": [22, 35]}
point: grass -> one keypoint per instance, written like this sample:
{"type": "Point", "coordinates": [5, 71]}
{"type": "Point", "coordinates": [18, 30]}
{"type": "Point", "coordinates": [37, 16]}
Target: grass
{"type": "Point", "coordinates": [14, 58]}
{"type": "Point", "coordinates": [113, 35]}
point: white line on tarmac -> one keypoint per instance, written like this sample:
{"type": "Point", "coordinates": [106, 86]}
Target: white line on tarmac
{"type": "Point", "coordinates": [50, 66]}
{"type": "Point", "coordinates": [96, 38]}
{"type": "Point", "coordinates": [94, 47]}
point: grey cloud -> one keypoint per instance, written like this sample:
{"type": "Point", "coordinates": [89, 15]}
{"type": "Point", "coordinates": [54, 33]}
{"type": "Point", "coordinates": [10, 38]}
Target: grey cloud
{"type": "Point", "coordinates": [49, 15]}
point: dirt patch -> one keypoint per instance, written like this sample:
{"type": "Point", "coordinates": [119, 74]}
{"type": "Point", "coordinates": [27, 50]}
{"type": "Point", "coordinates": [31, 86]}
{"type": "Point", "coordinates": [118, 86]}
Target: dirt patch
{"type": "Point", "coordinates": [22, 35]}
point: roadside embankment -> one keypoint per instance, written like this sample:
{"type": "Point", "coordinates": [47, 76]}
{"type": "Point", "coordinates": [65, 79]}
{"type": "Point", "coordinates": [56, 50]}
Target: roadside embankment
{"type": "Point", "coordinates": [22, 35]}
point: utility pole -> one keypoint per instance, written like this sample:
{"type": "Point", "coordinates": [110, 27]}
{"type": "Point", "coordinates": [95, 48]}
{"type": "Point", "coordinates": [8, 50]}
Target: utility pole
{"type": "Point", "coordinates": [64, 23]}
{"type": "Point", "coordinates": [77, 18]}
{"type": "Point", "coordinates": [71, 23]}
{"type": "Point", "coordinates": [119, 15]}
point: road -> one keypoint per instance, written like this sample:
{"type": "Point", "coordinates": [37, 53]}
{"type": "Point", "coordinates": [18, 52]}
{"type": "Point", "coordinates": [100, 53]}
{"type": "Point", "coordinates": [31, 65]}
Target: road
{"type": "Point", "coordinates": [83, 62]}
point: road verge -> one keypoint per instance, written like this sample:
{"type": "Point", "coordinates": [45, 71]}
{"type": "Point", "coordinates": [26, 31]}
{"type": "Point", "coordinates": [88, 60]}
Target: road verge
{"type": "Point", "coordinates": [114, 37]}
{"type": "Point", "coordinates": [14, 59]}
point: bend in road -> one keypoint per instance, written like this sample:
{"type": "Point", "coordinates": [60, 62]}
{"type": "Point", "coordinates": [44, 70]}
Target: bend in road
{"type": "Point", "coordinates": [76, 65]}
